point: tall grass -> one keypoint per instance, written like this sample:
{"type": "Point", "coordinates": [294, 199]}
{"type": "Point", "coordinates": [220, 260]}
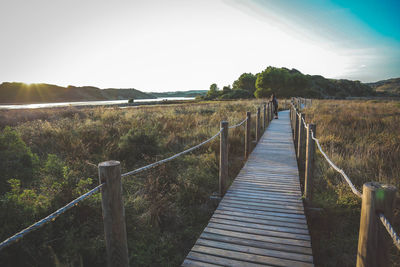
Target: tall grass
{"type": "Point", "coordinates": [166, 207]}
{"type": "Point", "coordinates": [362, 138]}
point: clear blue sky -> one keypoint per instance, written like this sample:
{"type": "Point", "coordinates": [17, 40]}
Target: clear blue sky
{"type": "Point", "coordinates": [158, 45]}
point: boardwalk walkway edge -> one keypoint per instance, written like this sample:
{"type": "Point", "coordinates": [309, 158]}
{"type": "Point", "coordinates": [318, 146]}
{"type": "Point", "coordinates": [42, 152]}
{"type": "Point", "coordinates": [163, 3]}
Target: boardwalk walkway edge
{"type": "Point", "coordinates": [260, 221]}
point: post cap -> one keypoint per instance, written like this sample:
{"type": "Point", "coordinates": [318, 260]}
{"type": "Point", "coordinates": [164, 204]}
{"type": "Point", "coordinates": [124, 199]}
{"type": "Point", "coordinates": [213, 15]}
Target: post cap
{"type": "Point", "coordinates": [109, 163]}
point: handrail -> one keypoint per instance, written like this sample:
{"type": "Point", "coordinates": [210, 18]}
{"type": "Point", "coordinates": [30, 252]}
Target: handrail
{"type": "Point", "coordinates": [390, 230]}
{"type": "Point", "coordinates": [51, 217]}
{"type": "Point", "coordinates": [237, 125]}
{"type": "Point", "coordinates": [172, 157]}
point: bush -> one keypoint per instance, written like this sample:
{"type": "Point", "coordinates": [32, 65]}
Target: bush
{"type": "Point", "coordinates": [17, 160]}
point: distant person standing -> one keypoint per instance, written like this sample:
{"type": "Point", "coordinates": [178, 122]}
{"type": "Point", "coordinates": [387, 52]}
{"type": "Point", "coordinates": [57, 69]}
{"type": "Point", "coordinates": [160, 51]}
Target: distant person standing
{"type": "Point", "coordinates": [275, 104]}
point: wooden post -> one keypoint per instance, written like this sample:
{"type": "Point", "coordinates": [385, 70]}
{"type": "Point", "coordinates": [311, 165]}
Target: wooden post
{"type": "Point", "coordinates": [373, 240]}
{"type": "Point", "coordinates": [247, 138]}
{"type": "Point", "coordinates": [265, 118]}
{"type": "Point", "coordinates": [300, 140]}
{"type": "Point", "coordinates": [223, 158]}
{"type": "Point", "coordinates": [258, 125]}
{"type": "Point", "coordinates": [309, 166]}
{"type": "Point", "coordinates": [296, 128]}
{"type": "Point", "coordinates": [113, 214]}
{"type": "Point", "coordinates": [272, 111]}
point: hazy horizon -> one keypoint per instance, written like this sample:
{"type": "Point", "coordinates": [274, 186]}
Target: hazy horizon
{"type": "Point", "coordinates": [160, 46]}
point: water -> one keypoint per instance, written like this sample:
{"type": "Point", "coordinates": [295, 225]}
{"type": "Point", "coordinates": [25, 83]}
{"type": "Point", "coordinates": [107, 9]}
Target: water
{"type": "Point", "coordinates": [88, 103]}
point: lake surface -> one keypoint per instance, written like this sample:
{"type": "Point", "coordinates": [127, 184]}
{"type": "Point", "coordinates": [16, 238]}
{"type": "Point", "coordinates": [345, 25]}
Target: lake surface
{"type": "Point", "coordinates": [89, 103]}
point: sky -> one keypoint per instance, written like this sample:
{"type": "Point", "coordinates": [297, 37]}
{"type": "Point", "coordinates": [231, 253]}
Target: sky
{"type": "Point", "coordinates": [176, 45]}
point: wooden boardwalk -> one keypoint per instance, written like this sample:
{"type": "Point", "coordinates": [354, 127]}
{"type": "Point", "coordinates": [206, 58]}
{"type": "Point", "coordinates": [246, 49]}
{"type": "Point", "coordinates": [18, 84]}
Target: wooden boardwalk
{"type": "Point", "coordinates": [260, 220]}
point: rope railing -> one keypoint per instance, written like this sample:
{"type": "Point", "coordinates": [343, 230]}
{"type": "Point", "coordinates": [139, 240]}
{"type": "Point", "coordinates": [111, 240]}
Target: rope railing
{"type": "Point", "coordinates": [237, 125]}
{"type": "Point", "coordinates": [51, 217]}
{"type": "Point", "coordinates": [172, 157]}
{"type": "Point", "coordinates": [390, 230]}
{"type": "Point", "coordinates": [347, 179]}
{"type": "Point", "coordinates": [353, 188]}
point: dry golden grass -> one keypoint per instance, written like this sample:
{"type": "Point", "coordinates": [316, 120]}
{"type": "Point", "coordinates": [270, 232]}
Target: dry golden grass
{"type": "Point", "coordinates": [166, 207]}
{"type": "Point", "coordinates": [362, 138]}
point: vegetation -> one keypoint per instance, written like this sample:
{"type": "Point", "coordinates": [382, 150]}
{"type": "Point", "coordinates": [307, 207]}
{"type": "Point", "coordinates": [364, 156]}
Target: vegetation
{"type": "Point", "coordinates": [17, 93]}
{"type": "Point", "coordinates": [49, 157]}
{"type": "Point", "coordinates": [362, 138]}
{"type": "Point", "coordinates": [287, 83]}
{"type": "Point", "coordinates": [390, 87]}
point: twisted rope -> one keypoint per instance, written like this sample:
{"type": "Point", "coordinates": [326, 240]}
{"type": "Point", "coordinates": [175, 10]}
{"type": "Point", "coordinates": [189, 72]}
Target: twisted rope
{"type": "Point", "coordinates": [353, 188]}
{"type": "Point", "coordinates": [237, 125]}
{"type": "Point", "coordinates": [172, 157]}
{"type": "Point", "coordinates": [52, 217]}
{"type": "Point", "coordinates": [389, 228]}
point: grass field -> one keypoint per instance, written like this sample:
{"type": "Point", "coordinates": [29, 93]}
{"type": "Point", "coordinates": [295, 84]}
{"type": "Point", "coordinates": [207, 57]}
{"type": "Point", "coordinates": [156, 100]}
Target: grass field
{"type": "Point", "coordinates": [362, 138]}
{"type": "Point", "coordinates": [51, 157]}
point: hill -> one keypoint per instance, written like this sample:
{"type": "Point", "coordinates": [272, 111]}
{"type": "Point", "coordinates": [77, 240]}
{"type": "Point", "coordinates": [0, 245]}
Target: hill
{"type": "Point", "coordinates": [390, 86]}
{"type": "Point", "coordinates": [13, 93]}
{"type": "Point", "coordinates": [190, 93]}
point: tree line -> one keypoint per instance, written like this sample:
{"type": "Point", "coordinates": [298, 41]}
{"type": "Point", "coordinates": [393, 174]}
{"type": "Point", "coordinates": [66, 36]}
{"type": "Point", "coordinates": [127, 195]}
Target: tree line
{"type": "Point", "coordinates": [287, 83]}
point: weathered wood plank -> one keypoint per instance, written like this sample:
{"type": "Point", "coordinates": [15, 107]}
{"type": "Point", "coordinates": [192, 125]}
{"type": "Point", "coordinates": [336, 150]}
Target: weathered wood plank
{"type": "Point", "coordinates": [262, 239]}
{"type": "Point", "coordinates": [260, 212]}
{"type": "Point", "coordinates": [281, 255]}
{"type": "Point", "coordinates": [220, 260]}
{"type": "Point", "coordinates": [277, 212]}
{"type": "Point", "coordinates": [264, 260]}
{"type": "Point", "coordinates": [280, 226]}
{"type": "Point", "coordinates": [194, 263]}
{"type": "Point", "coordinates": [289, 252]}
{"type": "Point", "coordinates": [286, 238]}
{"type": "Point", "coordinates": [272, 220]}
{"type": "Point", "coordinates": [263, 204]}
{"type": "Point", "coordinates": [270, 200]}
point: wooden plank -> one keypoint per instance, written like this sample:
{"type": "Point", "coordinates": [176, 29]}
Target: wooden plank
{"type": "Point", "coordinates": [263, 193]}
{"type": "Point", "coordinates": [271, 213]}
{"type": "Point", "coordinates": [265, 204]}
{"type": "Point", "coordinates": [195, 263]}
{"type": "Point", "coordinates": [281, 255]}
{"type": "Point", "coordinates": [293, 252]}
{"type": "Point", "coordinates": [277, 230]}
{"type": "Point", "coordinates": [286, 238]}
{"type": "Point", "coordinates": [220, 260]}
{"type": "Point", "coordinates": [268, 190]}
{"type": "Point", "coordinates": [264, 260]}
{"type": "Point", "coordinates": [287, 189]}
{"type": "Point", "coordinates": [263, 197]}
{"type": "Point", "coordinates": [288, 183]}
{"type": "Point", "coordinates": [266, 200]}
{"type": "Point", "coordinates": [277, 212]}
{"type": "Point", "coordinates": [285, 227]}
{"type": "Point", "coordinates": [272, 220]}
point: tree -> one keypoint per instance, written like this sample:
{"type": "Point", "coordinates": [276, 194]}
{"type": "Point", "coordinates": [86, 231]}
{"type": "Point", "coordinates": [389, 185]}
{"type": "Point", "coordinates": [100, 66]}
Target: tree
{"type": "Point", "coordinates": [263, 92]}
{"type": "Point", "coordinates": [246, 81]}
{"type": "Point", "coordinates": [226, 89]}
{"type": "Point", "coordinates": [213, 92]}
